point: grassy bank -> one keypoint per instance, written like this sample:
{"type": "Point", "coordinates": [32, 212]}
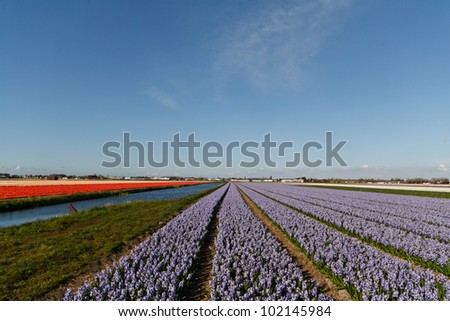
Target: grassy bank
{"type": "Point", "coordinates": [385, 191]}
{"type": "Point", "coordinates": [40, 257]}
{"type": "Point", "coordinates": [32, 202]}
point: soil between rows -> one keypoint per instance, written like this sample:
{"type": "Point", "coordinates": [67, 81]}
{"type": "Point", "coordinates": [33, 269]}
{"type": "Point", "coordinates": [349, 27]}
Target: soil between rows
{"type": "Point", "coordinates": [327, 286]}
{"type": "Point", "coordinates": [198, 287]}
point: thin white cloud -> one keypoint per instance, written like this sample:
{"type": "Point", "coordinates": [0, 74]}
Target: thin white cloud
{"type": "Point", "coordinates": [442, 168]}
{"type": "Point", "coordinates": [274, 46]}
{"type": "Point", "coordinates": [364, 166]}
{"type": "Point", "coordinates": [162, 98]}
{"type": "Point", "coordinates": [18, 168]}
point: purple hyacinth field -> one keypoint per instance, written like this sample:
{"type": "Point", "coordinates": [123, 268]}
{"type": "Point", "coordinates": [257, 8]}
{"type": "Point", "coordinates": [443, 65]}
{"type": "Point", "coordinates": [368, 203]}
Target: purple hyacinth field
{"type": "Point", "coordinates": [267, 241]}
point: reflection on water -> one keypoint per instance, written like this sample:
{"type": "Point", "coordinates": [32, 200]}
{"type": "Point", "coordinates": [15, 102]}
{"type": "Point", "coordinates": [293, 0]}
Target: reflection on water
{"type": "Point", "coordinates": [45, 212]}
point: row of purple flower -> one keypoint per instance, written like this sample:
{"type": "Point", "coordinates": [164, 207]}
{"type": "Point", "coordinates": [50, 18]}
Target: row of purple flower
{"type": "Point", "coordinates": [416, 214]}
{"type": "Point", "coordinates": [413, 236]}
{"type": "Point", "coordinates": [368, 273]}
{"type": "Point", "coordinates": [250, 264]}
{"type": "Point", "coordinates": [158, 268]}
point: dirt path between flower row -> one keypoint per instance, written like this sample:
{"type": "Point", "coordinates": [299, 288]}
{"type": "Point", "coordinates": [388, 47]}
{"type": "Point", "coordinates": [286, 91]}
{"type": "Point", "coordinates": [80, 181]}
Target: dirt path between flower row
{"type": "Point", "coordinates": [198, 288]}
{"type": "Point", "coordinates": [327, 286]}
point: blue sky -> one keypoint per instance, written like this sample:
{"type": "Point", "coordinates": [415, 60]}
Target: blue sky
{"type": "Point", "coordinates": [76, 74]}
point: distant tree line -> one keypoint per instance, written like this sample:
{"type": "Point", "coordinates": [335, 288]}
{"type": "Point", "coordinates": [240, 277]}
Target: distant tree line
{"type": "Point", "coordinates": [436, 180]}
{"type": "Point", "coordinates": [417, 180]}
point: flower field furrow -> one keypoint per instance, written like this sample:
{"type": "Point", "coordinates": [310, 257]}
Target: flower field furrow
{"type": "Point", "coordinates": [427, 249]}
{"type": "Point", "coordinates": [158, 268]}
{"type": "Point", "coordinates": [368, 273]}
{"type": "Point", "coordinates": [250, 264]}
